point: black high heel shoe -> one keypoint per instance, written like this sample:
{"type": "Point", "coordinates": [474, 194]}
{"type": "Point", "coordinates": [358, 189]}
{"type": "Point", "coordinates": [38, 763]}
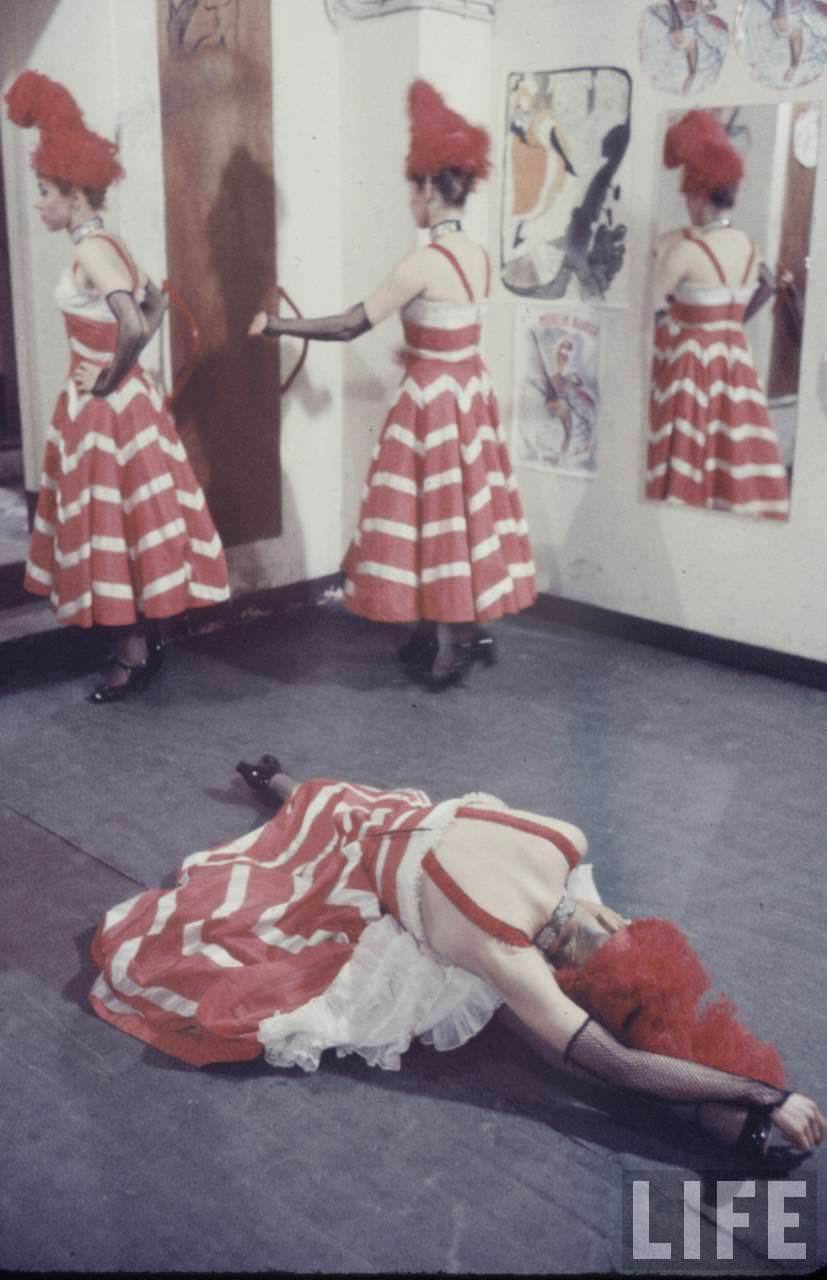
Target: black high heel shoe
{"type": "Point", "coordinates": [140, 674]}
{"type": "Point", "coordinates": [419, 651]}
{"type": "Point", "coordinates": [483, 648]}
{"type": "Point", "coordinates": [258, 775]}
{"type": "Point", "coordinates": [154, 658]}
{"type": "Point", "coordinates": [437, 681]}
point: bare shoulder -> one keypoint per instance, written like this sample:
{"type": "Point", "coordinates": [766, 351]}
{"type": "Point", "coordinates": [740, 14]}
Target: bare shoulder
{"type": "Point", "coordinates": [669, 241]}
{"type": "Point", "coordinates": [96, 251]}
{"type": "Point", "coordinates": [413, 269]}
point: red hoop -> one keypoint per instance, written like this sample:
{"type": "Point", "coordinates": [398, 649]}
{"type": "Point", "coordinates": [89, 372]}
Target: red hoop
{"type": "Point", "coordinates": [297, 368]}
{"type": "Point", "coordinates": [185, 373]}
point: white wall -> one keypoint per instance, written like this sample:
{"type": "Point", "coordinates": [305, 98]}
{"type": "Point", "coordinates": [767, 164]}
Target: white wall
{"type": "Point", "coordinates": [37, 34]}
{"type": "Point", "coordinates": [308, 122]}
{"type": "Point", "coordinates": [379, 59]}
{"type": "Point", "coordinates": [599, 542]}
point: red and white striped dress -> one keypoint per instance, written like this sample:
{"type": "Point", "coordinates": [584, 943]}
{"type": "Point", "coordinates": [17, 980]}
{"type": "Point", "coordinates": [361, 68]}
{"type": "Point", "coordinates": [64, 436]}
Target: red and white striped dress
{"type": "Point", "coordinates": [300, 936]}
{"type": "Point", "coordinates": [711, 441]}
{"type": "Point", "coordinates": [441, 532]}
{"type": "Point", "coordinates": [122, 528]}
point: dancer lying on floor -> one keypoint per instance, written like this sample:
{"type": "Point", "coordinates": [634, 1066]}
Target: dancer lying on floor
{"type": "Point", "coordinates": [359, 919]}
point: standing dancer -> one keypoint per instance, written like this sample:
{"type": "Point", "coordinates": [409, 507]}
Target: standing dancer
{"type": "Point", "coordinates": [441, 539]}
{"type": "Point", "coordinates": [122, 535]}
{"type": "Point", "coordinates": [711, 441]}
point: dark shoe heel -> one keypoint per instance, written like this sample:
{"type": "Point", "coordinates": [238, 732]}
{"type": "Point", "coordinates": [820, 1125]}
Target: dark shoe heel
{"type": "Point", "coordinates": [419, 651]}
{"type": "Point", "coordinates": [485, 649]}
{"type": "Point", "coordinates": [437, 681]}
{"type": "Point", "coordinates": [140, 674]}
{"type": "Point", "coordinates": [258, 775]}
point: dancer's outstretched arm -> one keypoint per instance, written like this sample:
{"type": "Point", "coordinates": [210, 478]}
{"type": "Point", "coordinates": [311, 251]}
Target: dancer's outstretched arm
{"type": "Point", "coordinates": [528, 987]}
{"type": "Point", "coordinates": [406, 281]}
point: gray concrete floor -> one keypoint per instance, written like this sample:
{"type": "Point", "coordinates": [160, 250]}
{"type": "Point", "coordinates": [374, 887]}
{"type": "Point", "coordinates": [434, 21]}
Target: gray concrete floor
{"type": "Point", "coordinates": [702, 791]}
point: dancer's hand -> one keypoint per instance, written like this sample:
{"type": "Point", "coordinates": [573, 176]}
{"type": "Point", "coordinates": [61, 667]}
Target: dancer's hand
{"type": "Point", "coordinates": [800, 1121]}
{"type": "Point", "coordinates": [258, 324]}
{"type": "Point", "coordinates": [610, 919]}
{"type": "Point", "coordinates": [86, 375]}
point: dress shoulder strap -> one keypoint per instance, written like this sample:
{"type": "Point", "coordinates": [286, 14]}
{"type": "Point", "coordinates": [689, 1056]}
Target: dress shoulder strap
{"type": "Point", "coordinates": [750, 261]}
{"type": "Point", "coordinates": [446, 253]}
{"type": "Point", "coordinates": [506, 818]}
{"type": "Point", "coordinates": [712, 258]}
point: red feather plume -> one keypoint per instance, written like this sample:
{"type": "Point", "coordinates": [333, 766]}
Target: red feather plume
{"type": "Point", "coordinates": [34, 99]}
{"type": "Point", "coordinates": [441, 138]}
{"type": "Point", "coordinates": [645, 986]}
{"type": "Point", "coordinates": [68, 149]}
{"type": "Point", "coordinates": [699, 144]}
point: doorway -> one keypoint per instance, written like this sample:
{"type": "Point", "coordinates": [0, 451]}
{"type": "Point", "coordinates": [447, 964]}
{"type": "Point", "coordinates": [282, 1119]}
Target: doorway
{"type": "Point", "coordinates": [14, 508]}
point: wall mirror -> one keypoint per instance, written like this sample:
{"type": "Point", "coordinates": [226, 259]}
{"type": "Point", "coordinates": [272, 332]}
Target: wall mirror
{"type": "Point", "coordinates": [725, 381]}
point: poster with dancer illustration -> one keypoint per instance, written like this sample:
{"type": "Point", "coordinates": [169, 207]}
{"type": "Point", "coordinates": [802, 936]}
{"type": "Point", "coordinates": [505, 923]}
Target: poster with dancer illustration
{"type": "Point", "coordinates": [563, 222]}
{"type": "Point", "coordinates": [784, 42]}
{"type": "Point", "coordinates": [556, 389]}
{"type": "Point", "coordinates": [682, 44]}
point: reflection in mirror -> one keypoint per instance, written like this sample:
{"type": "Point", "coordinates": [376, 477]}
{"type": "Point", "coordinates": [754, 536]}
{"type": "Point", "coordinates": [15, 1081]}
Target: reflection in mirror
{"type": "Point", "coordinates": [731, 258]}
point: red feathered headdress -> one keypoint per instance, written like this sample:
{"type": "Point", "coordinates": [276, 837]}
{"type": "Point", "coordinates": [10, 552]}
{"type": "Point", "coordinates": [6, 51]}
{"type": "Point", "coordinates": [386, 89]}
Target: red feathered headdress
{"type": "Point", "coordinates": [441, 138]}
{"type": "Point", "coordinates": [67, 150]}
{"type": "Point", "coordinates": [645, 985]}
{"type": "Point", "coordinates": [699, 144]}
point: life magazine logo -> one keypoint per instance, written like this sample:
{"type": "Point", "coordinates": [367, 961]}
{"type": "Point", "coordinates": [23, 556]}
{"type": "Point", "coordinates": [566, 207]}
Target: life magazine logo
{"type": "Point", "coordinates": [719, 1224]}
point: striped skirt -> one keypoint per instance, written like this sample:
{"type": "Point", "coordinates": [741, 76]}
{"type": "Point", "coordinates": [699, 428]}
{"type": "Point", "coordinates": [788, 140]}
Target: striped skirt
{"type": "Point", "coordinates": [282, 943]}
{"type": "Point", "coordinates": [441, 532]}
{"type": "Point", "coordinates": [122, 528]}
{"type": "Point", "coordinates": [711, 442]}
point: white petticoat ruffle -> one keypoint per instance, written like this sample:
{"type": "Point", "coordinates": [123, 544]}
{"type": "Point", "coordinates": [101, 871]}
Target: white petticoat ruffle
{"type": "Point", "coordinates": [391, 991]}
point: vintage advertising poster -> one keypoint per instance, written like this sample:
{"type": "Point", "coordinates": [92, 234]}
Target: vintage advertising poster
{"type": "Point", "coordinates": [683, 44]}
{"type": "Point", "coordinates": [556, 388]}
{"type": "Point", "coordinates": [563, 228]}
{"type": "Point", "coordinates": [784, 42]}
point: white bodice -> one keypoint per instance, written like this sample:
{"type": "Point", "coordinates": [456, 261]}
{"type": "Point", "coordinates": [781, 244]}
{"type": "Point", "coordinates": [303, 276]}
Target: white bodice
{"type": "Point", "coordinates": [711, 295]}
{"type": "Point", "coordinates": [74, 300]}
{"type": "Point", "coordinates": [442, 315]}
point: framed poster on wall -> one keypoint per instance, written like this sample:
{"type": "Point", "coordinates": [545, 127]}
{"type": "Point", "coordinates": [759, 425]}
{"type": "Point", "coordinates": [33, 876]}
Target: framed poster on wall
{"type": "Point", "coordinates": [556, 388]}
{"type": "Point", "coordinates": [563, 224]}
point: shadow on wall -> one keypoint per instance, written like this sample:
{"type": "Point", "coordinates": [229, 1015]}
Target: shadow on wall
{"type": "Point", "coordinates": [16, 51]}
{"type": "Point", "coordinates": [221, 219]}
{"type": "Point", "coordinates": [229, 410]}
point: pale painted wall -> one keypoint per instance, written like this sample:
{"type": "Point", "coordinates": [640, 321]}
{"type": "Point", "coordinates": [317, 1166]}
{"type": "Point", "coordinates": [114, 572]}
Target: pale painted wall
{"type": "Point", "coordinates": [600, 542]}
{"type": "Point", "coordinates": [341, 136]}
{"type": "Point", "coordinates": [105, 51]}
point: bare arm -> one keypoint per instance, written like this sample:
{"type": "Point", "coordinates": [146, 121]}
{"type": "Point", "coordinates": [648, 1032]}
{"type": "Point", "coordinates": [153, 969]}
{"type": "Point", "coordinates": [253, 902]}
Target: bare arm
{"type": "Point", "coordinates": [670, 266]}
{"type": "Point", "coordinates": [406, 281]}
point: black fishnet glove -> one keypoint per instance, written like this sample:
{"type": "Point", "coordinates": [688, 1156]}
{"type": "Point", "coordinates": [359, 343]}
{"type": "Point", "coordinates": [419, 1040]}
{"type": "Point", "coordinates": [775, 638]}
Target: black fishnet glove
{"type": "Point", "coordinates": [594, 1050]}
{"type": "Point", "coordinates": [153, 309]}
{"type": "Point", "coordinates": [341, 328]}
{"type": "Point", "coordinates": [133, 336]}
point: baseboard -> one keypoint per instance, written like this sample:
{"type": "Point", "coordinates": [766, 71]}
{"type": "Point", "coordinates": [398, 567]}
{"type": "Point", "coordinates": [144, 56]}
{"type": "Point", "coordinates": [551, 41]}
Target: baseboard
{"type": "Point", "coordinates": [11, 585]}
{"type": "Point", "coordinates": [695, 644]}
{"type": "Point", "coordinates": [74, 650]}
{"type": "Point", "coordinates": [69, 648]}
